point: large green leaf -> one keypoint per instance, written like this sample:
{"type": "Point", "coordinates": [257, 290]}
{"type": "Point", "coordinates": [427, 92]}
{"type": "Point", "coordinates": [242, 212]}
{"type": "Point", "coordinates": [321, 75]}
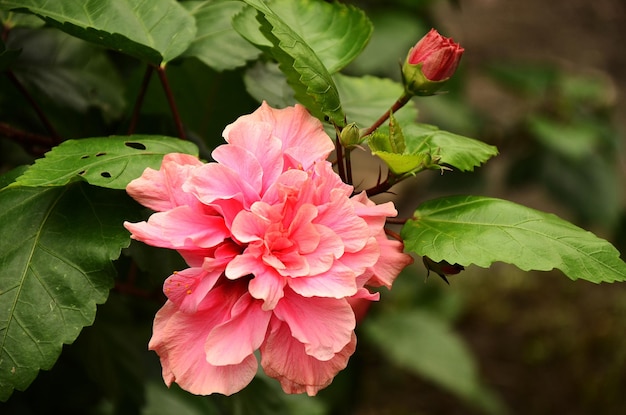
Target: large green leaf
{"type": "Point", "coordinates": [71, 72]}
{"type": "Point", "coordinates": [55, 254]}
{"type": "Point", "coordinates": [425, 345]}
{"type": "Point", "coordinates": [216, 43]}
{"type": "Point", "coordinates": [307, 75]}
{"type": "Point", "coordinates": [102, 161]}
{"type": "Point", "coordinates": [481, 230]}
{"type": "Point", "coordinates": [336, 32]}
{"type": "Point", "coordinates": [156, 31]}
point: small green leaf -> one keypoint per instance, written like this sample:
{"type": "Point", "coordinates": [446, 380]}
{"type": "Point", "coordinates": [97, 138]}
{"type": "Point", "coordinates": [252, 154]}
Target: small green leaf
{"type": "Point", "coordinates": [455, 150]}
{"type": "Point", "coordinates": [156, 31]}
{"type": "Point", "coordinates": [56, 250]}
{"type": "Point", "coordinates": [216, 43]}
{"type": "Point", "coordinates": [425, 345]}
{"type": "Point", "coordinates": [102, 161]}
{"type": "Point", "coordinates": [336, 32]}
{"type": "Point", "coordinates": [428, 147]}
{"type": "Point", "coordinates": [481, 230]}
{"type": "Point", "coordinates": [307, 75]}
{"type": "Point", "coordinates": [396, 137]}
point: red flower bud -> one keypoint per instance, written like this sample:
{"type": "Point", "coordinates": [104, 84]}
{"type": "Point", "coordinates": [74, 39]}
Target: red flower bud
{"type": "Point", "coordinates": [431, 62]}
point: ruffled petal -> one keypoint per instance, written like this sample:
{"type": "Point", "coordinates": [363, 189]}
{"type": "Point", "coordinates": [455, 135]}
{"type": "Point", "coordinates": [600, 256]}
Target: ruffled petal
{"type": "Point", "coordinates": [323, 325]}
{"type": "Point", "coordinates": [180, 228]}
{"type": "Point", "coordinates": [284, 358]}
{"type": "Point", "coordinates": [234, 340]}
{"type": "Point", "coordinates": [179, 338]}
{"type": "Point", "coordinates": [161, 190]}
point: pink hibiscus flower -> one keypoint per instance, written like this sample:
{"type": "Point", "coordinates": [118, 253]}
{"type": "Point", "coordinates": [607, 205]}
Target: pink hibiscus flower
{"type": "Point", "coordinates": [279, 250]}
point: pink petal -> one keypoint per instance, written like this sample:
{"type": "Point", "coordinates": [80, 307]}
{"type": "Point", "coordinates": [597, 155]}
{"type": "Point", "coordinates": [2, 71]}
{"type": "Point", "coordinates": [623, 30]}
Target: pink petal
{"type": "Point", "coordinates": [284, 358]}
{"type": "Point", "coordinates": [214, 181]}
{"type": "Point", "coordinates": [267, 285]}
{"type": "Point", "coordinates": [257, 138]}
{"type": "Point", "coordinates": [161, 190]}
{"type": "Point", "coordinates": [328, 250]}
{"type": "Point", "coordinates": [248, 226]}
{"type": "Point", "coordinates": [338, 282]}
{"type": "Point", "coordinates": [243, 162]}
{"type": "Point", "coordinates": [178, 338]}
{"type": "Point", "coordinates": [302, 135]}
{"type": "Point", "coordinates": [324, 325]}
{"type": "Point", "coordinates": [181, 227]}
{"type": "Point", "coordinates": [339, 215]}
{"type": "Point", "coordinates": [302, 231]}
{"type": "Point", "coordinates": [234, 340]}
{"type": "Point", "coordinates": [392, 260]}
{"type": "Point", "coordinates": [187, 288]}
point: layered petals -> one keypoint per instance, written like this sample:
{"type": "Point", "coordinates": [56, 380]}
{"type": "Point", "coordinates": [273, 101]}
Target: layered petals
{"type": "Point", "coordinates": [280, 252]}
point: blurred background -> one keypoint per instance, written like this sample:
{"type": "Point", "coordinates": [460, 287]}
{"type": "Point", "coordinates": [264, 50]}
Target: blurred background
{"type": "Point", "coordinates": [544, 82]}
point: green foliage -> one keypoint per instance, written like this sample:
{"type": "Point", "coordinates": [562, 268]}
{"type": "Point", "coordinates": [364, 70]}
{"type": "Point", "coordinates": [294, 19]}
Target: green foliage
{"type": "Point", "coordinates": [480, 230]}
{"type": "Point", "coordinates": [110, 162]}
{"type": "Point", "coordinates": [56, 251]}
{"type": "Point", "coordinates": [156, 31]}
{"type": "Point", "coordinates": [306, 73]}
{"type": "Point", "coordinates": [216, 43]}
{"type": "Point", "coordinates": [68, 71]}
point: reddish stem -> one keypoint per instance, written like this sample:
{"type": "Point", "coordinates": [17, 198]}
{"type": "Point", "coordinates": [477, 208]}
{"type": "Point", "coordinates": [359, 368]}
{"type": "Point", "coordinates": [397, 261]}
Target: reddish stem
{"type": "Point", "coordinates": [400, 102]}
{"type": "Point", "coordinates": [172, 103]}
{"type": "Point", "coordinates": [42, 117]}
{"type": "Point", "coordinates": [140, 97]}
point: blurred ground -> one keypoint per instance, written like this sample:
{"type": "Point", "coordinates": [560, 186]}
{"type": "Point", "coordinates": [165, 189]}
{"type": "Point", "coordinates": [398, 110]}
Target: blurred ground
{"type": "Point", "coordinates": [548, 345]}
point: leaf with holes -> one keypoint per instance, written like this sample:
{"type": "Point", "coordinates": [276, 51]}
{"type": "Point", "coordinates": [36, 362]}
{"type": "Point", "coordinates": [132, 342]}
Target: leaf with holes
{"type": "Point", "coordinates": [103, 161]}
{"type": "Point", "coordinates": [56, 250]}
{"type": "Point", "coordinates": [155, 31]}
{"type": "Point", "coordinates": [481, 230]}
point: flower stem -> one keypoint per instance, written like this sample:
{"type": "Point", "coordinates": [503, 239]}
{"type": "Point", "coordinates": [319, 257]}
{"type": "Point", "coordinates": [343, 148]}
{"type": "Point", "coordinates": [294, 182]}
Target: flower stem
{"type": "Point", "coordinates": [140, 96]}
{"type": "Point", "coordinates": [400, 102]}
{"type": "Point", "coordinates": [172, 103]}
{"type": "Point", "coordinates": [42, 116]}
{"type": "Point", "coordinates": [382, 187]}
{"type": "Point", "coordinates": [340, 165]}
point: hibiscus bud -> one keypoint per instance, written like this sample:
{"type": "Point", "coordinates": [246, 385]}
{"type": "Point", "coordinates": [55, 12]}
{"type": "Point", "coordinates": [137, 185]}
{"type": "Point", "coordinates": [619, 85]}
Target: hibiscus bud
{"type": "Point", "coordinates": [430, 63]}
{"type": "Point", "coordinates": [350, 136]}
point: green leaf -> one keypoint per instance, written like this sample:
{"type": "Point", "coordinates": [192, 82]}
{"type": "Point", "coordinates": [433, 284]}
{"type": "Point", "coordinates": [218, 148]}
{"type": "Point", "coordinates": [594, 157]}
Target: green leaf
{"type": "Point", "coordinates": [7, 56]}
{"type": "Point", "coordinates": [429, 147]}
{"type": "Point", "coordinates": [71, 72]}
{"type": "Point", "coordinates": [481, 230]}
{"type": "Point", "coordinates": [216, 43]}
{"type": "Point", "coordinates": [366, 98]}
{"type": "Point", "coordinates": [56, 250]}
{"type": "Point", "coordinates": [425, 345]}
{"type": "Point", "coordinates": [336, 32]}
{"type": "Point", "coordinates": [307, 75]}
{"type": "Point", "coordinates": [265, 82]}
{"type": "Point", "coordinates": [103, 161]}
{"type": "Point", "coordinates": [156, 31]}
{"type": "Point", "coordinates": [455, 150]}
